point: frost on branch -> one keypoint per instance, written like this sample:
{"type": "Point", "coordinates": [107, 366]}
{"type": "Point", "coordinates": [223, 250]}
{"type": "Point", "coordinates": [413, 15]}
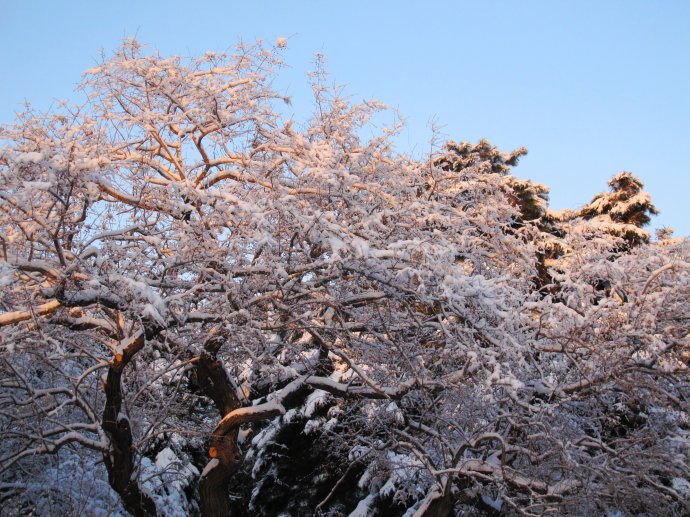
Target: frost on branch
{"type": "Point", "coordinates": [217, 309]}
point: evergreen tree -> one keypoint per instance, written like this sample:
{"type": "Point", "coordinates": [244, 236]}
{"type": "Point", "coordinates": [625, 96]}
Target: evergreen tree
{"type": "Point", "coordinates": [623, 211]}
{"type": "Point", "coordinates": [463, 155]}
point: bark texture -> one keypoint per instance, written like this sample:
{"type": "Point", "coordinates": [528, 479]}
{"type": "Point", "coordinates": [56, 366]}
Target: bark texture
{"type": "Point", "coordinates": [119, 460]}
{"type": "Point", "coordinates": [214, 483]}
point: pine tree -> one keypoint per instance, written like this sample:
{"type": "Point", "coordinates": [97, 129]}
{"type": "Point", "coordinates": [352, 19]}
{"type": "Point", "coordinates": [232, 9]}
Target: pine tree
{"type": "Point", "coordinates": [463, 155]}
{"type": "Point", "coordinates": [624, 211]}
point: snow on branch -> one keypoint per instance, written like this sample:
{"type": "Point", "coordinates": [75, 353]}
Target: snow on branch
{"type": "Point", "coordinates": [10, 318]}
{"type": "Point", "coordinates": [260, 412]}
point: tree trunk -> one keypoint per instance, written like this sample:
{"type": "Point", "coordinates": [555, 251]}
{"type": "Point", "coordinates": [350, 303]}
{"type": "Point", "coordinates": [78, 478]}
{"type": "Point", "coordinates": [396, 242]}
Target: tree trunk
{"type": "Point", "coordinates": [119, 461]}
{"type": "Point", "coordinates": [224, 451]}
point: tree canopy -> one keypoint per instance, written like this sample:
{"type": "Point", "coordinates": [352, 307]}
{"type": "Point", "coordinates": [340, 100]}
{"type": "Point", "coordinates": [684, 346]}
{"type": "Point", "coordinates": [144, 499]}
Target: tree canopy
{"type": "Point", "coordinates": [207, 308]}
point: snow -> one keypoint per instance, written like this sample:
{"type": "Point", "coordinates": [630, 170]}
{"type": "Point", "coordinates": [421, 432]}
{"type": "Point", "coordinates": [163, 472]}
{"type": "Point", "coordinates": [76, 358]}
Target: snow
{"type": "Point", "coordinates": [165, 458]}
{"type": "Point", "coordinates": [166, 479]}
{"type": "Point", "coordinates": [313, 425]}
{"type": "Point", "coordinates": [397, 413]}
{"type": "Point", "coordinates": [210, 466]}
{"type": "Point", "coordinates": [337, 245]}
{"type": "Point", "coordinates": [156, 307]}
{"type": "Point", "coordinates": [403, 470]}
{"type": "Point", "coordinates": [421, 281]}
{"type": "Point", "coordinates": [364, 506]}
{"type": "Point", "coordinates": [496, 503]}
{"type": "Point", "coordinates": [365, 479]}
{"type": "Point", "coordinates": [360, 247]}
{"type": "Point", "coordinates": [290, 415]}
{"type": "Point", "coordinates": [38, 185]}
{"type": "Point", "coordinates": [242, 435]}
{"type": "Point", "coordinates": [6, 275]}
{"type": "Point", "coordinates": [421, 509]}
{"type": "Point", "coordinates": [357, 452]}
{"type": "Point", "coordinates": [681, 485]}
{"type": "Point", "coordinates": [75, 482]}
{"type": "Point", "coordinates": [315, 400]}
{"type": "Point", "coordinates": [264, 437]}
{"type": "Point", "coordinates": [30, 157]}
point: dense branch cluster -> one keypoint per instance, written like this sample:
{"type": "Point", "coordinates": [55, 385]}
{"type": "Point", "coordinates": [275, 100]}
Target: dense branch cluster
{"type": "Point", "coordinates": [226, 312]}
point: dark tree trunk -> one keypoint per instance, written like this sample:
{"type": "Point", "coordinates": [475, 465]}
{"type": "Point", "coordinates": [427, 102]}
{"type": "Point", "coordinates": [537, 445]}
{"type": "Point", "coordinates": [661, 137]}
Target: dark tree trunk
{"type": "Point", "coordinates": [119, 461]}
{"type": "Point", "coordinates": [225, 453]}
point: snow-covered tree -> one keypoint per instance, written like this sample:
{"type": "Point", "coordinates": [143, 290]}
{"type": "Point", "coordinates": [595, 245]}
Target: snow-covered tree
{"type": "Point", "coordinates": [208, 308]}
{"type": "Point", "coordinates": [624, 211]}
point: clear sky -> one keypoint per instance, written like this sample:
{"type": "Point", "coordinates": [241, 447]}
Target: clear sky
{"type": "Point", "coordinates": [591, 88]}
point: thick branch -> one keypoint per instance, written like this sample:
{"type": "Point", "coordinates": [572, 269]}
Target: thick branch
{"type": "Point", "coordinates": [10, 318]}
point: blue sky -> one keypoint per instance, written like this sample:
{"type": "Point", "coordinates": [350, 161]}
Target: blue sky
{"type": "Point", "coordinates": [591, 88]}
